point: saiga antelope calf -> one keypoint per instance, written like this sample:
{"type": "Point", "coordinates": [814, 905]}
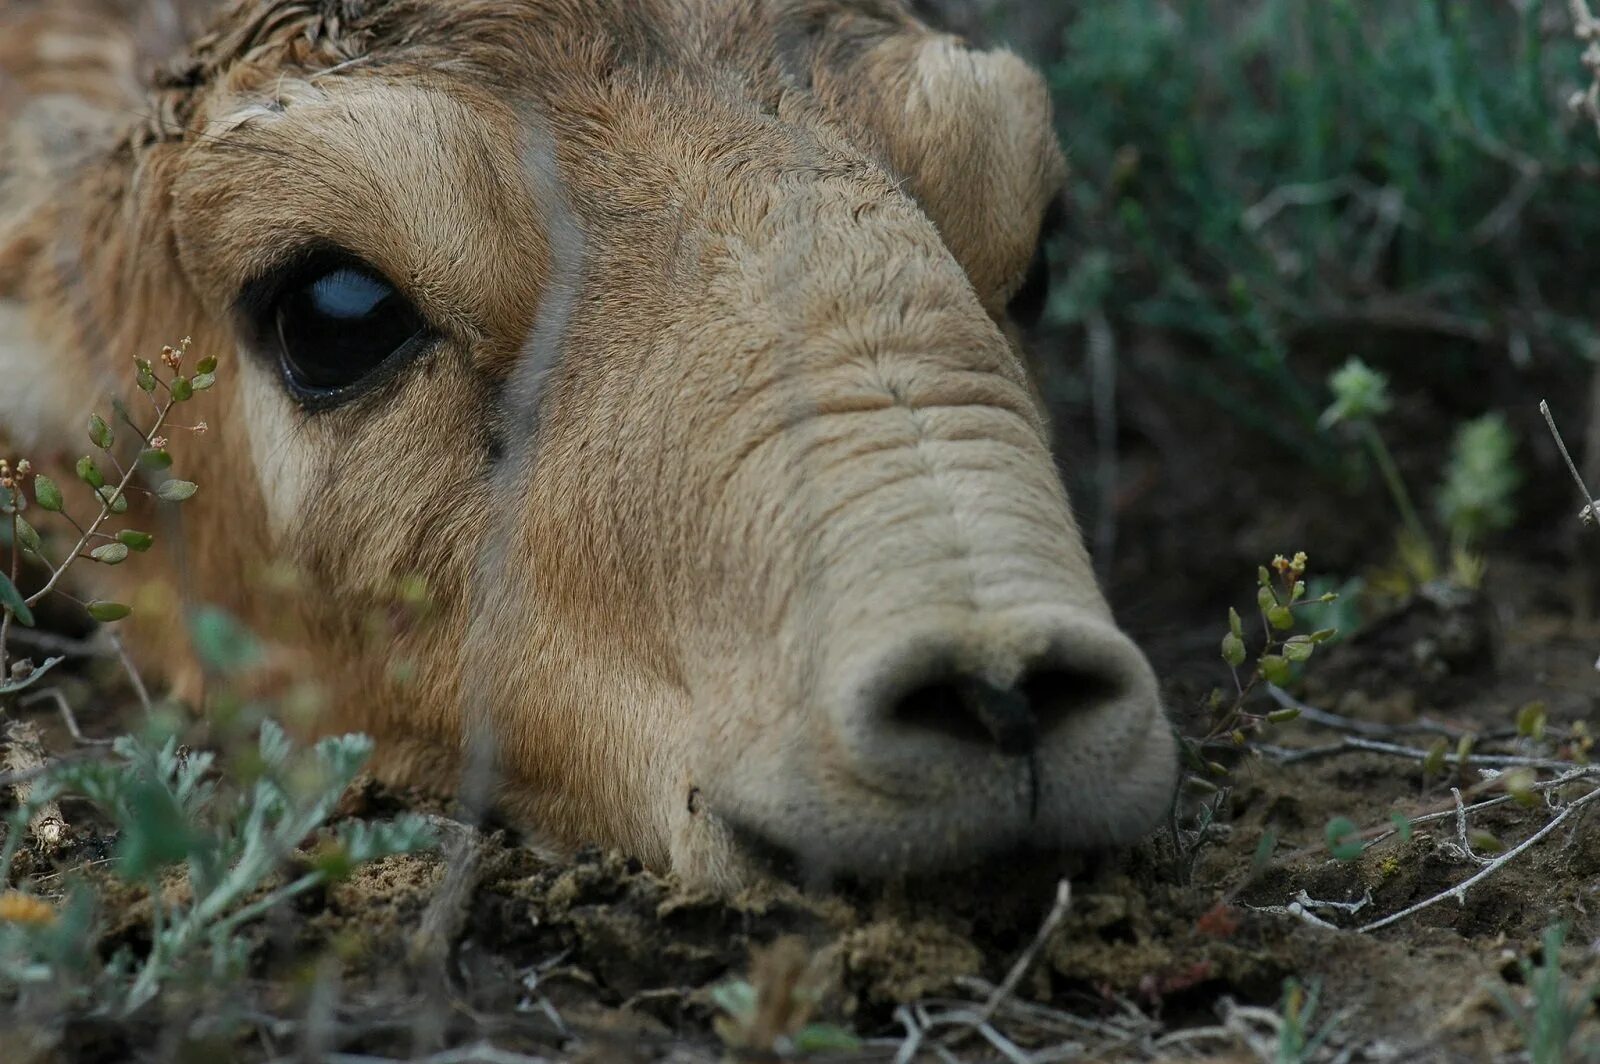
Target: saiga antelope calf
{"type": "Point", "coordinates": [671, 342]}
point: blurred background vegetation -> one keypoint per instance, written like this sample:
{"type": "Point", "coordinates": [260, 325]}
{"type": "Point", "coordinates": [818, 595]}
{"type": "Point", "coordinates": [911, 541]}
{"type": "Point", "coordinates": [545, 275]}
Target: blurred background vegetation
{"type": "Point", "coordinates": [1263, 189]}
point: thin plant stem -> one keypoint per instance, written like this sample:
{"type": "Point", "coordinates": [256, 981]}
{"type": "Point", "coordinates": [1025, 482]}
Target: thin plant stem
{"type": "Point", "coordinates": [1396, 485]}
{"type": "Point", "coordinates": [16, 564]}
{"type": "Point", "coordinates": [105, 510]}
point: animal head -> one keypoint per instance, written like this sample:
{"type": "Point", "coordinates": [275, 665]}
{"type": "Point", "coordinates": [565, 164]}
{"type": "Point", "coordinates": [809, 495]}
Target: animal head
{"type": "Point", "coordinates": [669, 343]}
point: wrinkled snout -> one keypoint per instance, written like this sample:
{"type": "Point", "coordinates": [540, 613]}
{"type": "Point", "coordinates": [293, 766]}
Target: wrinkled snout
{"type": "Point", "coordinates": [923, 672]}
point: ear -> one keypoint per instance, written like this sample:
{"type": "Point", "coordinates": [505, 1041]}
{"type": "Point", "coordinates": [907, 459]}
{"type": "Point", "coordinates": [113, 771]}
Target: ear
{"type": "Point", "coordinates": [970, 132]}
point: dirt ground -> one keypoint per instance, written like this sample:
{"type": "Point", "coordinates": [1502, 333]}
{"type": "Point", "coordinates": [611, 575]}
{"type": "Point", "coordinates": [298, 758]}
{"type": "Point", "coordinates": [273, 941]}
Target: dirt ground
{"type": "Point", "coordinates": [1163, 952]}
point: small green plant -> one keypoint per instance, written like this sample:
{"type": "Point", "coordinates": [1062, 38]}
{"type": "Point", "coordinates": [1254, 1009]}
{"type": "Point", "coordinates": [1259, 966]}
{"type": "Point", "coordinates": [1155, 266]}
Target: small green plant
{"type": "Point", "coordinates": [1552, 1018]}
{"type": "Point", "coordinates": [232, 834]}
{"type": "Point", "coordinates": [1281, 596]}
{"type": "Point", "coordinates": [1297, 1039]}
{"type": "Point", "coordinates": [1480, 481]}
{"type": "Point", "coordinates": [111, 480]}
{"type": "Point", "coordinates": [1281, 592]}
{"type": "Point", "coordinates": [773, 1010]}
{"type": "Point", "coordinates": [1474, 501]}
{"type": "Point", "coordinates": [1360, 398]}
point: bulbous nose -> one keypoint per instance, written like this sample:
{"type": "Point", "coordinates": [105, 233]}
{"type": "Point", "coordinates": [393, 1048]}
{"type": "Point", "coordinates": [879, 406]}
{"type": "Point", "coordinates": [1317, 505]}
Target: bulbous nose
{"type": "Point", "coordinates": [1041, 724]}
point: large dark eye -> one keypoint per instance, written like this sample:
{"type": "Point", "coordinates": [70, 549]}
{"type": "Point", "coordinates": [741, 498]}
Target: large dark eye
{"type": "Point", "coordinates": [1027, 307]}
{"type": "Point", "coordinates": [334, 324]}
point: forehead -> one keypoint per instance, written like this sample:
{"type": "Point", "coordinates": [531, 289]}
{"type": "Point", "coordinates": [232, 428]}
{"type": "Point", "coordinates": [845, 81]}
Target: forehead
{"type": "Point", "coordinates": [358, 123]}
{"type": "Point", "coordinates": [545, 48]}
{"type": "Point", "coordinates": [402, 129]}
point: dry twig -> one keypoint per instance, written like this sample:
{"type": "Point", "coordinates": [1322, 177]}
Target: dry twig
{"type": "Point", "coordinates": [1459, 891]}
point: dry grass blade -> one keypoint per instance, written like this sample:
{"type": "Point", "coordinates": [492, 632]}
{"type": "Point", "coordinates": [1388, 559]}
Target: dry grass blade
{"type": "Point", "coordinates": [1052, 920]}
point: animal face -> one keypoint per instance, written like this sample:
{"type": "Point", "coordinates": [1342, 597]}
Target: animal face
{"type": "Point", "coordinates": [669, 344]}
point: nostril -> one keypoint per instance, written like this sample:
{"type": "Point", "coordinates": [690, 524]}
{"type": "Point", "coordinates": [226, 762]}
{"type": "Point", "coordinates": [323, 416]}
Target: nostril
{"type": "Point", "coordinates": [1010, 719]}
{"type": "Point", "coordinates": [972, 711]}
{"type": "Point", "coordinates": [1056, 694]}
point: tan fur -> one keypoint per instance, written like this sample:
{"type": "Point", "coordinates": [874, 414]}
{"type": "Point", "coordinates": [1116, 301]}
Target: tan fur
{"type": "Point", "coordinates": [722, 441]}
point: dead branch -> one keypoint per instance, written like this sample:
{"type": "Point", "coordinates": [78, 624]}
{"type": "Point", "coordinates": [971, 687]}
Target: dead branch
{"type": "Point", "coordinates": [1357, 744]}
{"type": "Point", "coordinates": [1369, 728]}
{"type": "Point", "coordinates": [447, 913]}
{"type": "Point", "coordinates": [1459, 891]}
{"type": "Point", "coordinates": [64, 708]}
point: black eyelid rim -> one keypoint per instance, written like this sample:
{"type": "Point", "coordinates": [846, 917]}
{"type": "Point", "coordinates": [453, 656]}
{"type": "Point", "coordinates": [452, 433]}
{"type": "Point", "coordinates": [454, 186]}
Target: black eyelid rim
{"type": "Point", "coordinates": [253, 309]}
{"type": "Point", "coordinates": [302, 264]}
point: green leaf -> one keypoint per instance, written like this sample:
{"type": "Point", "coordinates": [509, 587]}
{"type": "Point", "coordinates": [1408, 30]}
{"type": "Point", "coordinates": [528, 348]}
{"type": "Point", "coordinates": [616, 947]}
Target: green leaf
{"type": "Point", "coordinates": [177, 490]}
{"type": "Point", "coordinates": [100, 433]}
{"type": "Point", "coordinates": [1281, 618]}
{"type": "Point", "coordinates": [11, 599]}
{"type": "Point", "coordinates": [203, 381]}
{"type": "Point", "coordinates": [1299, 648]}
{"type": "Point", "coordinates": [1266, 599]}
{"type": "Point", "coordinates": [1531, 720]}
{"type": "Point", "coordinates": [110, 553]}
{"type": "Point", "coordinates": [106, 612]}
{"type": "Point", "coordinates": [27, 536]}
{"type": "Point", "coordinates": [1433, 763]}
{"type": "Point", "coordinates": [274, 745]}
{"type": "Point", "coordinates": [1284, 716]}
{"type": "Point", "coordinates": [90, 473]}
{"type": "Point", "coordinates": [116, 503]}
{"type": "Point", "coordinates": [736, 997]}
{"type": "Point", "coordinates": [221, 642]}
{"type": "Point", "coordinates": [825, 1038]}
{"type": "Point", "coordinates": [155, 458]}
{"type": "Point", "coordinates": [1263, 852]}
{"type": "Point", "coordinates": [1275, 669]}
{"type": "Point", "coordinates": [46, 494]}
{"type": "Point", "coordinates": [1233, 651]}
{"type": "Point", "coordinates": [11, 687]}
{"type": "Point", "coordinates": [1485, 841]}
{"type": "Point", "coordinates": [145, 377]}
{"type": "Point", "coordinates": [206, 365]}
{"type": "Point", "coordinates": [1402, 825]}
{"type": "Point", "coordinates": [139, 541]}
{"type": "Point", "coordinates": [1343, 840]}
{"type": "Point", "coordinates": [182, 389]}
{"type": "Point", "coordinates": [156, 832]}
